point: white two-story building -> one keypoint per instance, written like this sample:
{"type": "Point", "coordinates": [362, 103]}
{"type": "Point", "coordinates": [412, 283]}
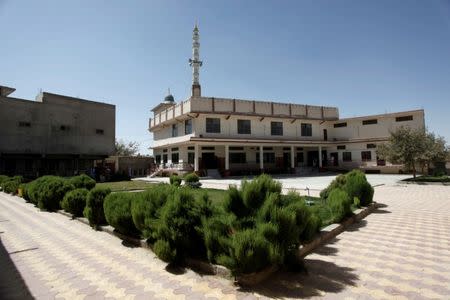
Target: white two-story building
{"type": "Point", "coordinates": [236, 136]}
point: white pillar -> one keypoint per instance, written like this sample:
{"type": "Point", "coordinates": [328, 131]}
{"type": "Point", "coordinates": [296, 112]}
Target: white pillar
{"type": "Point", "coordinates": [261, 158]}
{"type": "Point", "coordinates": [320, 156]}
{"type": "Point", "coordinates": [196, 158]}
{"type": "Point", "coordinates": [227, 157]}
{"type": "Point", "coordinates": [292, 158]}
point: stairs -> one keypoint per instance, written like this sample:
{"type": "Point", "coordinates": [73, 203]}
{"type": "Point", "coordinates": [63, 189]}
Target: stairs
{"type": "Point", "coordinates": [156, 173]}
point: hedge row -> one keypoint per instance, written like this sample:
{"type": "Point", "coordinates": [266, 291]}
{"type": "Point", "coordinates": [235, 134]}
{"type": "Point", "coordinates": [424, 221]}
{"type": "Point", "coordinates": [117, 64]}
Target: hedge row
{"type": "Point", "coordinates": [190, 180]}
{"type": "Point", "coordinates": [10, 184]}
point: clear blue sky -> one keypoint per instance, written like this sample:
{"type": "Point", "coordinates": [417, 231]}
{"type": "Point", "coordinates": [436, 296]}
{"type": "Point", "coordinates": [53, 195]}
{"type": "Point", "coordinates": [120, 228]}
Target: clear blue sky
{"type": "Point", "coordinates": [365, 57]}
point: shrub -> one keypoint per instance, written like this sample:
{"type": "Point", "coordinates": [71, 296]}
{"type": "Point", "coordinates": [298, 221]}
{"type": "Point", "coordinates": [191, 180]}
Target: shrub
{"type": "Point", "coordinates": [338, 182]}
{"type": "Point", "coordinates": [356, 202]}
{"type": "Point", "coordinates": [339, 203]}
{"type": "Point", "coordinates": [145, 209]}
{"type": "Point", "coordinates": [74, 202]}
{"type": "Point", "coordinates": [94, 206]}
{"type": "Point", "coordinates": [10, 186]}
{"type": "Point", "coordinates": [3, 178]}
{"type": "Point", "coordinates": [175, 180]}
{"type": "Point", "coordinates": [82, 181]}
{"type": "Point", "coordinates": [46, 192]}
{"type": "Point", "coordinates": [180, 226]}
{"type": "Point", "coordinates": [192, 180]}
{"type": "Point", "coordinates": [117, 208]}
{"type": "Point", "coordinates": [357, 186]}
{"type": "Point", "coordinates": [24, 187]}
{"type": "Point", "coordinates": [258, 227]}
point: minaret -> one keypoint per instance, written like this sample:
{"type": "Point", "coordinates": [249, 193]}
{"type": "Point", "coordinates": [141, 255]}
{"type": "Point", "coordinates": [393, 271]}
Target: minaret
{"type": "Point", "coordinates": [195, 63]}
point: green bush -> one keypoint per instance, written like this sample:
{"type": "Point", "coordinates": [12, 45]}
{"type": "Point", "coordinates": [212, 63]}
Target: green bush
{"type": "Point", "coordinates": [82, 181]}
{"type": "Point", "coordinates": [35, 188]}
{"type": "Point", "coordinates": [47, 192]}
{"type": "Point", "coordinates": [192, 180]}
{"type": "Point", "coordinates": [145, 209]}
{"type": "Point", "coordinates": [258, 227]}
{"type": "Point", "coordinates": [179, 226]}
{"type": "Point", "coordinates": [74, 202]}
{"type": "Point", "coordinates": [24, 187]}
{"type": "Point", "coordinates": [357, 186]}
{"type": "Point", "coordinates": [3, 178]}
{"type": "Point", "coordinates": [117, 208]}
{"type": "Point", "coordinates": [175, 180]}
{"type": "Point", "coordinates": [94, 206]}
{"type": "Point", "coordinates": [340, 204]}
{"type": "Point", "coordinates": [10, 186]}
{"type": "Point", "coordinates": [338, 182]}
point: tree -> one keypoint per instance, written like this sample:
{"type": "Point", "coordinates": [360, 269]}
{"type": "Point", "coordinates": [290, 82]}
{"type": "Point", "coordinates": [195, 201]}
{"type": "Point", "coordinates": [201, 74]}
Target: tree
{"type": "Point", "coordinates": [126, 149]}
{"type": "Point", "coordinates": [412, 147]}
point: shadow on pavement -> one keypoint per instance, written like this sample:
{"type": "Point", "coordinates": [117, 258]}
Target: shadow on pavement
{"type": "Point", "coordinates": [320, 277]}
{"type": "Point", "coordinates": [12, 285]}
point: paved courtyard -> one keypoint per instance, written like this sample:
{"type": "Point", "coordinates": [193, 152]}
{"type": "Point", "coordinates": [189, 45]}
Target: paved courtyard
{"type": "Point", "coordinates": [402, 251]}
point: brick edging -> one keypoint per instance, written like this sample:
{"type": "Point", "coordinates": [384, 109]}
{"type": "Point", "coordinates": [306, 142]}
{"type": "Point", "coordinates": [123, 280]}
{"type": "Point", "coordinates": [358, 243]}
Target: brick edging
{"type": "Point", "coordinates": [333, 230]}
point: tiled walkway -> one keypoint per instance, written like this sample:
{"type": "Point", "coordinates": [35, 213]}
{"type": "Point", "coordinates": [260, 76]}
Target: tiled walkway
{"type": "Point", "coordinates": [400, 252]}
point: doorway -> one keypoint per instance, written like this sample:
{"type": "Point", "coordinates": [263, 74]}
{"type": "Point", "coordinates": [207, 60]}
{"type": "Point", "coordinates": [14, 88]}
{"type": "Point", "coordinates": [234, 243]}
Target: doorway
{"type": "Point", "coordinates": [209, 160]}
{"type": "Point", "coordinates": [334, 159]}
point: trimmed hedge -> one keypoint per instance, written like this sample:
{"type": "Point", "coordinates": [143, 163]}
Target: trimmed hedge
{"type": "Point", "coordinates": [117, 208]}
{"type": "Point", "coordinates": [192, 180]}
{"type": "Point", "coordinates": [82, 181]}
{"type": "Point", "coordinates": [47, 192]}
{"type": "Point", "coordinates": [10, 184]}
{"type": "Point", "coordinates": [74, 202]}
{"type": "Point", "coordinates": [94, 206]}
{"type": "Point", "coordinates": [175, 180]}
{"type": "Point", "coordinates": [340, 204]}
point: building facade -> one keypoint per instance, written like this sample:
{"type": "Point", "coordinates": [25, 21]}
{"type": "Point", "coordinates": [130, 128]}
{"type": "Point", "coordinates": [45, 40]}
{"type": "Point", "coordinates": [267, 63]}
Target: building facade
{"type": "Point", "coordinates": [237, 136]}
{"type": "Point", "coordinates": [54, 134]}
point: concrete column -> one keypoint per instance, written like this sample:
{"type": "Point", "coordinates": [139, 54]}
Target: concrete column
{"type": "Point", "coordinates": [227, 160]}
{"type": "Point", "coordinates": [320, 156]}
{"type": "Point", "coordinates": [292, 160]}
{"type": "Point", "coordinates": [196, 167]}
{"type": "Point", "coordinates": [261, 158]}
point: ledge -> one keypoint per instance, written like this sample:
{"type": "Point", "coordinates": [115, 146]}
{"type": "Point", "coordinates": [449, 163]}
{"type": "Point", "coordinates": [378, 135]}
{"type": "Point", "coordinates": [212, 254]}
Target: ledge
{"type": "Point", "coordinates": [333, 230]}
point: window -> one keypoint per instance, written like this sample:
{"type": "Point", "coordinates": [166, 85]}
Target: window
{"type": "Point", "coordinates": [165, 158]}
{"type": "Point", "coordinates": [188, 126]}
{"type": "Point", "coordinates": [267, 148]}
{"type": "Point", "coordinates": [24, 124]}
{"type": "Point", "coordinates": [404, 118]}
{"type": "Point", "coordinates": [371, 146]}
{"type": "Point", "coordinates": [366, 155]}
{"type": "Point", "coordinates": [174, 130]}
{"type": "Point", "coordinates": [276, 128]}
{"type": "Point", "coordinates": [286, 148]}
{"type": "Point", "coordinates": [213, 125]}
{"type": "Point", "coordinates": [338, 125]}
{"type": "Point", "coordinates": [175, 158]}
{"type": "Point", "coordinates": [370, 122]}
{"type": "Point", "coordinates": [342, 147]}
{"type": "Point", "coordinates": [164, 150]}
{"type": "Point", "coordinates": [158, 159]}
{"type": "Point", "coordinates": [306, 129]}
{"type": "Point", "coordinates": [207, 148]}
{"type": "Point", "coordinates": [300, 148]}
{"type": "Point", "coordinates": [238, 158]}
{"type": "Point", "coordinates": [300, 157]}
{"type": "Point", "coordinates": [236, 148]}
{"type": "Point", "coordinates": [244, 127]}
{"type": "Point", "coordinates": [191, 157]}
{"type": "Point", "coordinates": [174, 149]}
{"type": "Point", "coordinates": [191, 148]}
{"type": "Point", "coordinates": [347, 156]}
{"type": "Point", "coordinates": [268, 157]}
{"type": "Point", "coordinates": [99, 131]}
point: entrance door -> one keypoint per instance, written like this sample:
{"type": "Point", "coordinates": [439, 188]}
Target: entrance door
{"type": "Point", "coordinates": [286, 160]}
{"type": "Point", "coordinates": [313, 158]}
{"type": "Point", "coordinates": [334, 159]}
{"type": "Point", "coordinates": [209, 160]}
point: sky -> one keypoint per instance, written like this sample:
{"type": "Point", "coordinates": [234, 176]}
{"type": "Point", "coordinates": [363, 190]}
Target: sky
{"type": "Point", "coordinates": [364, 57]}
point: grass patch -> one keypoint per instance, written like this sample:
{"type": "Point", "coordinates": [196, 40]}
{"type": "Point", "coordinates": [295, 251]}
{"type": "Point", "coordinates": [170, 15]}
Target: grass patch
{"type": "Point", "coordinates": [122, 186]}
{"type": "Point", "coordinates": [427, 178]}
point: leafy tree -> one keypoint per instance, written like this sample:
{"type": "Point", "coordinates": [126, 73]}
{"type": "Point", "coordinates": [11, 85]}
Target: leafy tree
{"type": "Point", "coordinates": [126, 149]}
{"type": "Point", "coordinates": [412, 147]}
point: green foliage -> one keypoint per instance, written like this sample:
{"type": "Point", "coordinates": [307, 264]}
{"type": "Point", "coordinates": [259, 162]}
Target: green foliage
{"type": "Point", "coordinates": [82, 181]}
{"type": "Point", "coordinates": [340, 204]}
{"type": "Point", "coordinates": [258, 227]}
{"type": "Point", "coordinates": [146, 207]}
{"type": "Point", "coordinates": [355, 184]}
{"type": "Point", "coordinates": [24, 187]}
{"type": "Point", "coordinates": [10, 184]}
{"type": "Point", "coordinates": [117, 208]}
{"type": "Point", "coordinates": [164, 251]}
{"type": "Point", "coordinates": [74, 202]}
{"type": "Point", "coordinates": [3, 178]}
{"type": "Point", "coordinates": [356, 202]}
{"type": "Point", "coordinates": [180, 224]}
{"type": "Point", "coordinates": [94, 206]}
{"type": "Point", "coordinates": [192, 180]}
{"type": "Point", "coordinates": [46, 192]}
{"type": "Point", "coordinates": [175, 180]}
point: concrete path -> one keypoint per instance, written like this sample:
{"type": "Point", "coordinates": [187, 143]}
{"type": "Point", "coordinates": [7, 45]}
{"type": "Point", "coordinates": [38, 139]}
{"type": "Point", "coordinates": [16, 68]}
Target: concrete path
{"type": "Point", "coordinates": [400, 252]}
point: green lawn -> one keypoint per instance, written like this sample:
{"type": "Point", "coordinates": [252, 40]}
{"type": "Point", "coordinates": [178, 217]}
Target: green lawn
{"type": "Point", "coordinates": [425, 178]}
{"type": "Point", "coordinates": [121, 186]}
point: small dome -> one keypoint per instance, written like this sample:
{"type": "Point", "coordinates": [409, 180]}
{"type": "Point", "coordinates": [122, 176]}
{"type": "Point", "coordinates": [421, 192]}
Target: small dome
{"type": "Point", "coordinates": [169, 98]}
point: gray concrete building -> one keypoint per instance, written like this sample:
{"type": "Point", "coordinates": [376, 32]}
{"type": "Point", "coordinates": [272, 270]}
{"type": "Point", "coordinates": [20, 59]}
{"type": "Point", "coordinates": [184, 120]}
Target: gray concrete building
{"type": "Point", "coordinates": [54, 134]}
